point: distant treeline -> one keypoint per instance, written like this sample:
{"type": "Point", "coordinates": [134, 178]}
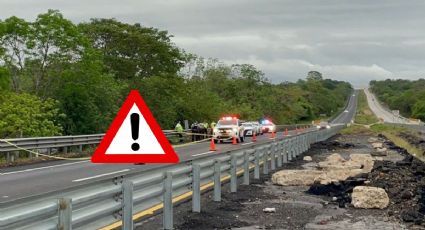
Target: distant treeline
{"type": "Point", "coordinates": [404, 95]}
{"type": "Point", "coordinates": [60, 78]}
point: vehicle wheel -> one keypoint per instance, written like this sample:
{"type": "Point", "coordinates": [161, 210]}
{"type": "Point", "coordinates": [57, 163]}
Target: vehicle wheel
{"type": "Point", "coordinates": [215, 141]}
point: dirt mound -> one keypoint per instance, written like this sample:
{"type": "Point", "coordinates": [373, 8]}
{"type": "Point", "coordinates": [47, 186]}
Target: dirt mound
{"type": "Point", "coordinates": [333, 145]}
{"type": "Point", "coordinates": [404, 182]}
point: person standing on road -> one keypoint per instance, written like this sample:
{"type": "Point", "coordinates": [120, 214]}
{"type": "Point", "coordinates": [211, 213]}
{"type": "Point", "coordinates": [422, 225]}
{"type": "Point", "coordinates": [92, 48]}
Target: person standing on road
{"type": "Point", "coordinates": [179, 130]}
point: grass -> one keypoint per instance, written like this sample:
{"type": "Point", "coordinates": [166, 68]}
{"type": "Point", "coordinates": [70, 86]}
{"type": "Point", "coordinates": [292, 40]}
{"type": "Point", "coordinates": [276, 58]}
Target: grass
{"type": "Point", "coordinates": [364, 115]}
{"type": "Point", "coordinates": [356, 129]}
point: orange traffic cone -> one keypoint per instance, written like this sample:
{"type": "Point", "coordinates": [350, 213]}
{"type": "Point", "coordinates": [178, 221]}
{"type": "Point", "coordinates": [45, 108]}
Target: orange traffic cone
{"type": "Point", "coordinates": [234, 142]}
{"type": "Point", "coordinates": [286, 132]}
{"type": "Point", "coordinates": [212, 145]}
{"type": "Point", "coordinates": [254, 137]}
{"type": "Point", "coordinates": [272, 135]}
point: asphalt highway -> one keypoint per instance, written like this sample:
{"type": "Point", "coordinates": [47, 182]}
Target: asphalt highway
{"type": "Point", "coordinates": [30, 180]}
{"type": "Point", "coordinates": [350, 111]}
{"type": "Point", "coordinates": [381, 112]}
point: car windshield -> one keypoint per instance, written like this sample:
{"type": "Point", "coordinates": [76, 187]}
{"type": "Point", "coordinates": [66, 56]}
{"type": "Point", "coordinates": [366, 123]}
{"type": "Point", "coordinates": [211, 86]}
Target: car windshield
{"type": "Point", "coordinates": [227, 122]}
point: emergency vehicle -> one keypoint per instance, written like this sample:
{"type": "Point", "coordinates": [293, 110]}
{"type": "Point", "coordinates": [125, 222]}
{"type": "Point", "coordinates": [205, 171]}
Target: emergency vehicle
{"type": "Point", "coordinates": [226, 128]}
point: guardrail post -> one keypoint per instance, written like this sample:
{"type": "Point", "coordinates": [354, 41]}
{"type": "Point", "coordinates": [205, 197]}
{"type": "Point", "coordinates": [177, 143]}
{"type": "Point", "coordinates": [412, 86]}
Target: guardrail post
{"type": "Point", "coordinates": [217, 180]}
{"type": "Point", "coordinates": [127, 208]}
{"type": "Point", "coordinates": [279, 154]}
{"type": "Point", "coordinates": [257, 164]}
{"type": "Point", "coordinates": [289, 150]}
{"type": "Point", "coordinates": [16, 156]}
{"type": "Point", "coordinates": [167, 218]}
{"type": "Point", "coordinates": [65, 149]}
{"type": "Point", "coordinates": [299, 146]}
{"type": "Point", "coordinates": [196, 187]}
{"type": "Point", "coordinates": [64, 214]}
{"type": "Point", "coordinates": [233, 176]}
{"type": "Point", "coordinates": [8, 158]}
{"type": "Point", "coordinates": [265, 161]}
{"type": "Point", "coordinates": [285, 152]}
{"type": "Point", "coordinates": [246, 168]}
{"type": "Point", "coordinates": [272, 151]}
{"type": "Point", "coordinates": [298, 141]}
{"type": "Point", "coordinates": [80, 148]}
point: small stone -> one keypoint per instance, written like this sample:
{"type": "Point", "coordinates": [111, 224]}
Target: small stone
{"type": "Point", "coordinates": [307, 158]}
{"type": "Point", "coordinates": [372, 139]}
{"type": "Point", "coordinates": [334, 198]}
{"type": "Point", "coordinates": [409, 215]}
{"type": "Point", "coordinates": [335, 158]}
{"type": "Point", "coordinates": [382, 151]}
{"type": "Point", "coordinates": [269, 210]}
{"type": "Point", "coordinates": [377, 145]}
{"type": "Point", "coordinates": [406, 194]}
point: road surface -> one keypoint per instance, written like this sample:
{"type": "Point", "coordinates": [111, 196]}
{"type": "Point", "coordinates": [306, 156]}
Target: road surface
{"type": "Point", "coordinates": [350, 111]}
{"type": "Point", "coordinates": [30, 180]}
{"type": "Point", "coordinates": [381, 112]}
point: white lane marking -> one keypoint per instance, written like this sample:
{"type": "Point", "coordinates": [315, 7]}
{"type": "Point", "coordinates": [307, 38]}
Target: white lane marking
{"type": "Point", "coordinates": [248, 143]}
{"type": "Point", "coordinates": [101, 175]}
{"type": "Point", "coordinates": [45, 167]}
{"type": "Point", "coordinates": [200, 154]}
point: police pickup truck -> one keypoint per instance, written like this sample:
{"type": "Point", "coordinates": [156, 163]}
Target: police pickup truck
{"type": "Point", "coordinates": [227, 128]}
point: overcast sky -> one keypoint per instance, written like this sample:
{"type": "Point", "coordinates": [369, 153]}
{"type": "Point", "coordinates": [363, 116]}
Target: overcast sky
{"type": "Point", "coordinates": [354, 41]}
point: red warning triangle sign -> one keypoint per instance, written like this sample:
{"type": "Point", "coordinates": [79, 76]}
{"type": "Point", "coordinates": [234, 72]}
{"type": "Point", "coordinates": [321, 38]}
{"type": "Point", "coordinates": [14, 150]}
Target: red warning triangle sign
{"type": "Point", "coordinates": [134, 137]}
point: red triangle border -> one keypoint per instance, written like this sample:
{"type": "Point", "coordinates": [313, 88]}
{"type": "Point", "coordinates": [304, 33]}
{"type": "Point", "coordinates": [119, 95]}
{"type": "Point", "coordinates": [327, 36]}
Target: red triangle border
{"type": "Point", "coordinates": [99, 155]}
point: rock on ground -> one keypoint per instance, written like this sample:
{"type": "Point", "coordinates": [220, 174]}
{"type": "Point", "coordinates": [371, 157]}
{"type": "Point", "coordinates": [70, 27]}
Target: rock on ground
{"type": "Point", "coordinates": [307, 158]}
{"type": "Point", "coordinates": [335, 158]}
{"type": "Point", "coordinates": [369, 197]}
{"type": "Point", "coordinates": [377, 145]}
{"type": "Point", "coordinates": [295, 177]}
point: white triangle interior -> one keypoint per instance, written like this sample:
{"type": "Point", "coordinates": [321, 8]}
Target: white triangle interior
{"type": "Point", "coordinates": [123, 140]}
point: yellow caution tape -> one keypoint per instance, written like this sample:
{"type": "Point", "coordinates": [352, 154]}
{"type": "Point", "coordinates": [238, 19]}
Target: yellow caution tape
{"type": "Point", "coordinates": [44, 155]}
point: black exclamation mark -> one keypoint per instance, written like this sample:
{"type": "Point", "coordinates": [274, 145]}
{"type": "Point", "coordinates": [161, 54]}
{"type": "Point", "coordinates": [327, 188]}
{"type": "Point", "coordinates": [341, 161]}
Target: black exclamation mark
{"type": "Point", "coordinates": [134, 119]}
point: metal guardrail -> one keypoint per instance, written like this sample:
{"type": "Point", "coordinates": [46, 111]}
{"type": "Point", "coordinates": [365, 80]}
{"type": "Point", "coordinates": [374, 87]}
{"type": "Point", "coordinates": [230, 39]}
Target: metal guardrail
{"type": "Point", "coordinates": [46, 144]}
{"type": "Point", "coordinates": [111, 200]}
{"type": "Point", "coordinates": [58, 141]}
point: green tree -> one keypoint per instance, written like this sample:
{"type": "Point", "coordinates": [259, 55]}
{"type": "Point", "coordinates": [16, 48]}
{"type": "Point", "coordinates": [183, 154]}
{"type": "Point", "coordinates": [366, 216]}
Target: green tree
{"type": "Point", "coordinates": [14, 37]}
{"type": "Point", "coordinates": [89, 97]}
{"type": "Point", "coordinates": [25, 115]}
{"type": "Point", "coordinates": [133, 51]}
{"type": "Point", "coordinates": [34, 53]}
